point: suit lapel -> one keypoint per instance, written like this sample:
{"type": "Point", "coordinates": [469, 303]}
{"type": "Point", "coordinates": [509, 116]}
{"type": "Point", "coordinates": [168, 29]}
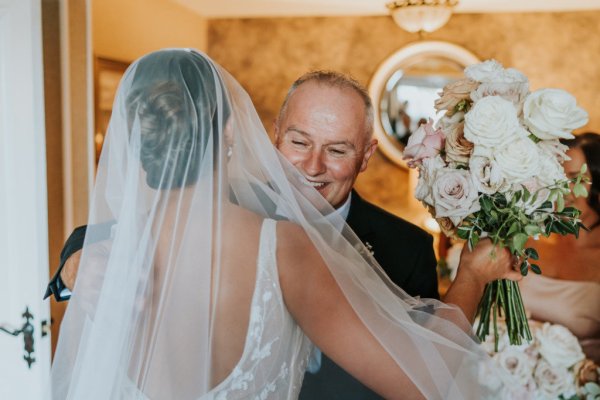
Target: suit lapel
{"type": "Point", "coordinates": [357, 219]}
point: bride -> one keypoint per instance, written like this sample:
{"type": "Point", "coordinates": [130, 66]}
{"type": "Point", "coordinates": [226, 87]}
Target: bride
{"type": "Point", "coordinates": [221, 271]}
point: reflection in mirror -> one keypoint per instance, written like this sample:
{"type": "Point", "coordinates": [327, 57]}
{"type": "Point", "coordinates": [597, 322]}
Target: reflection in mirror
{"type": "Point", "coordinates": [405, 87]}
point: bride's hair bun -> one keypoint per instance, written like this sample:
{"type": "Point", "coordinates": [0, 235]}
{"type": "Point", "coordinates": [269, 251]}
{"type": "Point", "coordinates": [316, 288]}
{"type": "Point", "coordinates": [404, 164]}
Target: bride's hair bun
{"type": "Point", "coordinates": [169, 140]}
{"type": "Point", "coordinates": [174, 101]}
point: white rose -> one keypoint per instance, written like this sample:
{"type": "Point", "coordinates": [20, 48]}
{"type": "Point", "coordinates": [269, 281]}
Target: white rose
{"type": "Point", "coordinates": [454, 194]}
{"type": "Point", "coordinates": [510, 84]}
{"type": "Point", "coordinates": [487, 71]}
{"type": "Point", "coordinates": [519, 160]}
{"type": "Point", "coordinates": [550, 170]}
{"type": "Point", "coordinates": [492, 122]}
{"type": "Point", "coordinates": [487, 175]}
{"type": "Point", "coordinates": [559, 346]}
{"type": "Point", "coordinates": [554, 148]}
{"type": "Point", "coordinates": [553, 113]}
{"type": "Point", "coordinates": [427, 172]}
{"type": "Point", "coordinates": [423, 191]}
{"type": "Point", "coordinates": [516, 363]}
{"type": "Point", "coordinates": [553, 381]}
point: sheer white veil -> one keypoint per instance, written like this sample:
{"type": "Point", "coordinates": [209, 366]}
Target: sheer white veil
{"type": "Point", "coordinates": [186, 163]}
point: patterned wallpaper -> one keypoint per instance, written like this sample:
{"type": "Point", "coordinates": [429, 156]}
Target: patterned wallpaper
{"type": "Point", "coordinates": [266, 55]}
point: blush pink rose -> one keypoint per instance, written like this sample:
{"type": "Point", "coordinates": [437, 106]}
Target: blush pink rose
{"type": "Point", "coordinates": [426, 142]}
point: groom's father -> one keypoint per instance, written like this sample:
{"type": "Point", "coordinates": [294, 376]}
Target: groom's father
{"type": "Point", "coordinates": [325, 129]}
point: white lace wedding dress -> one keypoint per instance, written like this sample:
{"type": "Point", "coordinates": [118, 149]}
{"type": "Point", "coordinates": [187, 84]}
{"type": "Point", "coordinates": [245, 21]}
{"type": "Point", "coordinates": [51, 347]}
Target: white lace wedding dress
{"type": "Point", "coordinates": [276, 350]}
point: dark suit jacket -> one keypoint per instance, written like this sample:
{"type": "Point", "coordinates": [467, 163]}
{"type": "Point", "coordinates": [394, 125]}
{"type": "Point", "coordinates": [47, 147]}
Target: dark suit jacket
{"type": "Point", "coordinates": [405, 252]}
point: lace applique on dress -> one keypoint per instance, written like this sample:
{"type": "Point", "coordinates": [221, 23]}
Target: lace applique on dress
{"type": "Point", "coordinates": [276, 351]}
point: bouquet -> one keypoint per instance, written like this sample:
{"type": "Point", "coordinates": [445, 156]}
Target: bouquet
{"type": "Point", "coordinates": [492, 167]}
{"type": "Point", "coordinates": [552, 366]}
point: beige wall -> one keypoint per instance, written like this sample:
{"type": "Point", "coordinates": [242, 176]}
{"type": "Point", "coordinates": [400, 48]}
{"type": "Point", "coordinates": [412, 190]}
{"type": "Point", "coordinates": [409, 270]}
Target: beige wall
{"type": "Point", "coordinates": [266, 55]}
{"type": "Point", "coordinates": [126, 30]}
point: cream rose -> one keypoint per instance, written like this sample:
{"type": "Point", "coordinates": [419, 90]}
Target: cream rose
{"type": "Point", "coordinates": [447, 226]}
{"type": "Point", "coordinates": [516, 363]}
{"type": "Point", "coordinates": [427, 171]}
{"type": "Point", "coordinates": [492, 122]}
{"type": "Point", "coordinates": [559, 346]}
{"type": "Point", "coordinates": [487, 175]}
{"type": "Point", "coordinates": [553, 113]}
{"type": "Point", "coordinates": [454, 194]}
{"type": "Point", "coordinates": [553, 381]}
{"type": "Point", "coordinates": [519, 160]}
{"type": "Point", "coordinates": [487, 71]}
{"type": "Point", "coordinates": [454, 93]}
{"type": "Point", "coordinates": [458, 149]}
{"type": "Point", "coordinates": [587, 371]}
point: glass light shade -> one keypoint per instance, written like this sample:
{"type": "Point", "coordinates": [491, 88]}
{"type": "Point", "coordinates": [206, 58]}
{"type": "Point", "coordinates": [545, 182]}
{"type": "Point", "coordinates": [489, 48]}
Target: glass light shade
{"type": "Point", "coordinates": [423, 16]}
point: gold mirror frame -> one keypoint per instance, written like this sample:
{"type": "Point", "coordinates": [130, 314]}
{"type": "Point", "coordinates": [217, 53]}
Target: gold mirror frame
{"type": "Point", "coordinates": [405, 57]}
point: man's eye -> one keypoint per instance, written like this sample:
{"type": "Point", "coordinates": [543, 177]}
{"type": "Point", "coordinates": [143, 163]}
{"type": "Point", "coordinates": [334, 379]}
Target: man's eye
{"type": "Point", "coordinates": [337, 152]}
{"type": "Point", "coordinates": [298, 143]}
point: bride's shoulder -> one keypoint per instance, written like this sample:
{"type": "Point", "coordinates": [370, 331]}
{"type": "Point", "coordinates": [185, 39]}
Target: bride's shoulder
{"type": "Point", "coordinates": [292, 235]}
{"type": "Point", "coordinates": [297, 255]}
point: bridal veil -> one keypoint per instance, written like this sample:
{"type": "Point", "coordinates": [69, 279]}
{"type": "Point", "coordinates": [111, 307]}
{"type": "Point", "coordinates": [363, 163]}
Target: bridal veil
{"type": "Point", "coordinates": [185, 147]}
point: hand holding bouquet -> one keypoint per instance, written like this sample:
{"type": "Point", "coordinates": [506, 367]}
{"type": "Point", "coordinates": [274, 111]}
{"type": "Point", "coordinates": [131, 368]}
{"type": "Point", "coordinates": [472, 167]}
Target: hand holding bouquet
{"type": "Point", "coordinates": [492, 167]}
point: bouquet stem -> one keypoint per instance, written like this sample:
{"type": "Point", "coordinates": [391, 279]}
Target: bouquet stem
{"type": "Point", "coordinates": [503, 296]}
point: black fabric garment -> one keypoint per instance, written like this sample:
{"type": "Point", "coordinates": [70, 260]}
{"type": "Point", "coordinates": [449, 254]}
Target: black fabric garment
{"type": "Point", "coordinates": [405, 252]}
{"type": "Point", "coordinates": [73, 244]}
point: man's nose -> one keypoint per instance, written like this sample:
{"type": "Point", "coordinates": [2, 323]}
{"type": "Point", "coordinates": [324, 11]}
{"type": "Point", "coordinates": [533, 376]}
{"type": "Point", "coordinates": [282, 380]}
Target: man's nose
{"type": "Point", "coordinates": [314, 165]}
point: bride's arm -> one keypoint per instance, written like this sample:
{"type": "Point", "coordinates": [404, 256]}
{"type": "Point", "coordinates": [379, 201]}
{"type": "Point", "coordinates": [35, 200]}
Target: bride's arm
{"type": "Point", "coordinates": [316, 302]}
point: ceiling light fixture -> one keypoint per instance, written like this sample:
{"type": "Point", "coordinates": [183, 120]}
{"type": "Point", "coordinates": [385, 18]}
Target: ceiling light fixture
{"type": "Point", "coordinates": [421, 15]}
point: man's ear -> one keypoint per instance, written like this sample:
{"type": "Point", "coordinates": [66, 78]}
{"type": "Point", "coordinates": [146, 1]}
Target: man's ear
{"type": "Point", "coordinates": [370, 149]}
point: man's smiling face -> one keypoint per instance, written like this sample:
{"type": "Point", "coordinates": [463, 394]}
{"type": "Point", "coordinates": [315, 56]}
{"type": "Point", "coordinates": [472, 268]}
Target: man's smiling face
{"type": "Point", "coordinates": [323, 134]}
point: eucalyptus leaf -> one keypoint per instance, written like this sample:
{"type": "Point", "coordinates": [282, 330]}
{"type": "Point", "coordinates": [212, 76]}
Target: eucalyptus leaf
{"type": "Point", "coordinates": [532, 253]}
{"type": "Point", "coordinates": [463, 232]}
{"type": "Point", "coordinates": [579, 190]}
{"type": "Point", "coordinates": [518, 241]}
{"type": "Point", "coordinates": [524, 268]}
{"type": "Point", "coordinates": [526, 194]}
{"type": "Point", "coordinates": [514, 227]}
{"type": "Point", "coordinates": [549, 228]}
{"type": "Point", "coordinates": [532, 230]}
{"type": "Point", "coordinates": [473, 240]}
{"type": "Point", "coordinates": [560, 203]}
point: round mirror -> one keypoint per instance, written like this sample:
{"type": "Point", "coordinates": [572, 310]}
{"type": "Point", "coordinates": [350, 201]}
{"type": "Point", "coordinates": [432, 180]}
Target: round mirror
{"type": "Point", "coordinates": [405, 86]}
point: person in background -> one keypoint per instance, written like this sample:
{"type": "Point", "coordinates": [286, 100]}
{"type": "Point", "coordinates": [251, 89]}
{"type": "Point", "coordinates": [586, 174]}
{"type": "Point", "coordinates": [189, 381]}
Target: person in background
{"type": "Point", "coordinates": [568, 290]}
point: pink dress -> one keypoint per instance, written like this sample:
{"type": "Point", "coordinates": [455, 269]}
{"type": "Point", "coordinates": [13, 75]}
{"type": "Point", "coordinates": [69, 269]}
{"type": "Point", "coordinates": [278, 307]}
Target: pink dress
{"type": "Point", "coordinates": [573, 304]}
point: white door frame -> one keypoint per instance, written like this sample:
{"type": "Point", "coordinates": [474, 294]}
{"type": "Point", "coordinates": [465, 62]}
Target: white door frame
{"type": "Point", "coordinates": [23, 199]}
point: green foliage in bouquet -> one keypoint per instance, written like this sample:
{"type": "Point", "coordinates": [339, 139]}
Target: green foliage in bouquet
{"type": "Point", "coordinates": [509, 221]}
